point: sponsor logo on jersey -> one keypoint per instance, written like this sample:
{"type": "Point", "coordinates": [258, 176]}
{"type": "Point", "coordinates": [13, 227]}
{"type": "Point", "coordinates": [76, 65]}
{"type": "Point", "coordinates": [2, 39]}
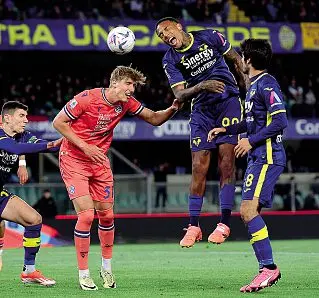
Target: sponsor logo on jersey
{"type": "Point", "coordinates": [248, 106]}
{"type": "Point", "coordinates": [274, 99]}
{"type": "Point", "coordinates": [8, 159]}
{"type": "Point", "coordinates": [198, 59]}
{"type": "Point", "coordinates": [73, 103]}
{"type": "Point", "coordinates": [279, 139]}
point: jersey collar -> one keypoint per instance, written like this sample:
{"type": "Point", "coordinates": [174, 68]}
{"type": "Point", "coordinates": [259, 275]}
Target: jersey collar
{"type": "Point", "coordinates": [189, 46]}
{"type": "Point", "coordinates": [254, 79]}
{"type": "Point", "coordinates": [105, 99]}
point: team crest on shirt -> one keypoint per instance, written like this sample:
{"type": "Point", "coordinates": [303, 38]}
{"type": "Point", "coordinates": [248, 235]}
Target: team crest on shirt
{"type": "Point", "coordinates": [72, 189]}
{"type": "Point", "coordinates": [203, 47]}
{"type": "Point", "coordinates": [73, 103]}
{"type": "Point", "coordinates": [252, 92]}
{"type": "Point", "coordinates": [118, 109]}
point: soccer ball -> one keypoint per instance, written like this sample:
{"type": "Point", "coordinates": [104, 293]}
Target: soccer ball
{"type": "Point", "coordinates": [121, 40]}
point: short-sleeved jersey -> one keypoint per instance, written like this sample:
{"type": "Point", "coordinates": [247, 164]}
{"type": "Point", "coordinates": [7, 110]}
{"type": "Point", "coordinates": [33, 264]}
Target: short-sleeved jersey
{"type": "Point", "coordinates": [9, 160]}
{"type": "Point", "coordinates": [93, 119]}
{"type": "Point", "coordinates": [202, 60]}
{"type": "Point", "coordinates": [263, 100]}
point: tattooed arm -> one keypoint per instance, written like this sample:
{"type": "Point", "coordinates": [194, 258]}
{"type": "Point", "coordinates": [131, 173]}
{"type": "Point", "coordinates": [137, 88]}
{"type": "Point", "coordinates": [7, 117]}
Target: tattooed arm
{"type": "Point", "coordinates": [235, 58]}
{"type": "Point", "coordinates": [183, 94]}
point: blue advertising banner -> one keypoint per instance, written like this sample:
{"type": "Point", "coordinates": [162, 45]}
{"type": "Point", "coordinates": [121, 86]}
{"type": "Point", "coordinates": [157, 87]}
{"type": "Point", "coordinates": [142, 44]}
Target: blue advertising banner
{"type": "Point", "coordinates": [70, 35]}
{"type": "Point", "coordinates": [137, 130]}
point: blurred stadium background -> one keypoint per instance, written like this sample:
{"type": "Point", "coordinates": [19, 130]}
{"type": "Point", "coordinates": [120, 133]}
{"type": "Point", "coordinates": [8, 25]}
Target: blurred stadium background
{"type": "Point", "coordinates": [51, 50]}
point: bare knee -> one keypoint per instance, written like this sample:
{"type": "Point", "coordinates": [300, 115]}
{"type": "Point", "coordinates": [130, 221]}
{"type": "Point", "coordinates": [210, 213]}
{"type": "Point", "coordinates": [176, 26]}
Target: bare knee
{"type": "Point", "coordinates": [200, 165]}
{"type": "Point", "coordinates": [226, 167]}
{"type": "Point", "coordinates": [106, 217]}
{"type": "Point", "coordinates": [33, 219]}
{"type": "Point", "coordinates": [198, 169]}
{"type": "Point", "coordinates": [198, 182]}
{"type": "Point", "coordinates": [86, 217]}
{"type": "Point", "coordinates": [248, 210]}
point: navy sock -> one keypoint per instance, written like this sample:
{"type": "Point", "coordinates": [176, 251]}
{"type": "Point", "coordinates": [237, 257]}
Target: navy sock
{"type": "Point", "coordinates": [225, 219]}
{"type": "Point", "coordinates": [195, 206]}
{"type": "Point", "coordinates": [31, 243]}
{"type": "Point", "coordinates": [226, 198]}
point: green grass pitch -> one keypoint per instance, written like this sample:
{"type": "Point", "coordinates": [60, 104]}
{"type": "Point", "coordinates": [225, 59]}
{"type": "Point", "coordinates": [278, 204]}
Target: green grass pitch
{"type": "Point", "coordinates": [166, 270]}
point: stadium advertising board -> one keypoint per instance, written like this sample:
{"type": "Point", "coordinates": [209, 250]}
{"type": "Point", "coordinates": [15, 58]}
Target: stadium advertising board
{"type": "Point", "coordinates": [135, 130]}
{"type": "Point", "coordinates": [310, 36]}
{"type": "Point", "coordinates": [72, 35]}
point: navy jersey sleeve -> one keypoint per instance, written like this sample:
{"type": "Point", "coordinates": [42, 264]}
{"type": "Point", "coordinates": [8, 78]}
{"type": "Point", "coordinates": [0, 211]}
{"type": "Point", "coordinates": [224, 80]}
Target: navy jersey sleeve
{"type": "Point", "coordinates": [218, 41]}
{"type": "Point", "coordinates": [269, 91]}
{"type": "Point", "coordinates": [237, 128]}
{"type": "Point", "coordinates": [173, 74]}
{"type": "Point", "coordinates": [12, 146]}
{"type": "Point", "coordinates": [28, 137]}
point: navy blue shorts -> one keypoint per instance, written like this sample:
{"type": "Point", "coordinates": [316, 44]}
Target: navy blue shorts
{"type": "Point", "coordinates": [259, 181]}
{"type": "Point", "coordinates": [4, 198]}
{"type": "Point", "coordinates": [205, 118]}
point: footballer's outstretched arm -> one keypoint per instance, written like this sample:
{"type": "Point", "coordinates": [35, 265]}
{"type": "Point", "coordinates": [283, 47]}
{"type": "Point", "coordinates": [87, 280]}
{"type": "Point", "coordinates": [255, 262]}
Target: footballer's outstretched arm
{"type": "Point", "coordinates": [159, 117]}
{"type": "Point", "coordinates": [14, 147]}
{"type": "Point", "coordinates": [184, 94]}
{"type": "Point", "coordinates": [235, 58]}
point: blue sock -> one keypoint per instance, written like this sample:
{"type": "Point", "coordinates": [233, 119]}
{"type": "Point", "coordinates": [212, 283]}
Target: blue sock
{"type": "Point", "coordinates": [260, 241]}
{"type": "Point", "coordinates": [31, 243]}
{"type": "Point", "coordinates": [226, 198]}
{"type": "Point", "coordinates": [195, 206]}
{"type": "Point", "coordinates": [257, 254]}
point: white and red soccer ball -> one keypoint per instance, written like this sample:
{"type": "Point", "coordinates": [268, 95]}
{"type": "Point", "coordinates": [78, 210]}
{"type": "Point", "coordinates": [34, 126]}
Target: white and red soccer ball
{"type": "Point", "coordinates": [121, 40]}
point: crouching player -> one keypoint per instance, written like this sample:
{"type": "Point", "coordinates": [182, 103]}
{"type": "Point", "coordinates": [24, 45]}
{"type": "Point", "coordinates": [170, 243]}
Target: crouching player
{"type": "Point", "coordinates": [265, 120]}
{"type": "Point", "coordinates": [87, 123]}
{"type": "Point", "coordinates": [15, 141]}
{"type": "Point", "coordinates": [23, 178]}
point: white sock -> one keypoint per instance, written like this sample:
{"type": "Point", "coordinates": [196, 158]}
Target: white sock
{"type": "Point", "coordinates": [1, 251]}
{"type": "Point", "coordinates": [106, 264]}
{"type": "Point", "coordinates": [84, 273]}
{"type": "Point", "coordinates": [29, 268]}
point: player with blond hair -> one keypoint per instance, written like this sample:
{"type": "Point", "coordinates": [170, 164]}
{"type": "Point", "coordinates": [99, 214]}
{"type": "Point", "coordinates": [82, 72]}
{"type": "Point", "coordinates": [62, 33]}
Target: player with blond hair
{"type": "Point", "coordinates": [87, 122]}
